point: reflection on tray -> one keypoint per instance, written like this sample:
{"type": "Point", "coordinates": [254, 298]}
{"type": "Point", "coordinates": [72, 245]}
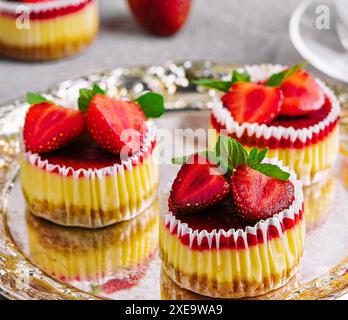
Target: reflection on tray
{"type": "Point", "coordinates": [101, 260]}
{"type": "Point", "coordinates": [171, 291]}
{"type": "Point", "coordinates": [317, 201]}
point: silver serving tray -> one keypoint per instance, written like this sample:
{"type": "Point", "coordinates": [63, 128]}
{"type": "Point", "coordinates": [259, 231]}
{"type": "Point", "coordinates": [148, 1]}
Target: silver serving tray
{"type": "Point", "coordinates": [324, 268]}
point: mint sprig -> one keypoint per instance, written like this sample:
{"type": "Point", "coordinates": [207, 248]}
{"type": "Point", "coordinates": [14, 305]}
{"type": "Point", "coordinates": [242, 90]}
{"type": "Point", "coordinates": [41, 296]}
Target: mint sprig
{"type": "Point", "coordinates": [223, 85]}
{"type": "Point", "coordinates": [277, 79]}
{"type": "Point", "coordinates": [274, 81]}
{"type": "Point", "coordinates": [229, 154]}
{"type": "Point", "coordinates": [86, 95]}
{"type": "Point", "coordinates": [35, 98]}
{"type": "Point", "coordinates": [152, 104]}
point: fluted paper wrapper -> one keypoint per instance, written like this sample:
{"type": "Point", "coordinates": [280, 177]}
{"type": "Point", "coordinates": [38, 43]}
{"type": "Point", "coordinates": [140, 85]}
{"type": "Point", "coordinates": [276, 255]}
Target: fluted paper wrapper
{"type": "Point", "coordinates": [263, 257]}
{"type": "Point", "coordinates": [313, 161]}
{"type": "Point", "coordinates": [50, 30]}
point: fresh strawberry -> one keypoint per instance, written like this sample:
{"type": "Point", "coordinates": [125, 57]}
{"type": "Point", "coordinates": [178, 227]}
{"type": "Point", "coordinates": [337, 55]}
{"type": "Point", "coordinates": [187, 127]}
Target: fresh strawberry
{"type": "Point", "coordinates": [253, 103]}
{"type": "Point", "coordinates": [106, 120]}
{"type": "Point", "coordinates": [49, 127]}
{"type": "Point", "coordinates": [196, 187]}
{"type": "Point", "coordinates": [302, 95]}
{"type": "Point", "coordinates": [258, 196]}
{"type": "Point", "coordinates": [161, 17]}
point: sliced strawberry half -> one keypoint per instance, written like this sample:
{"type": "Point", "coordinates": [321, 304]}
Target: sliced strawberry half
{"type": "Point", "coordinates": [49, 127]}
{"type": "Point", "coordinates": [198, 185]}
{"type": "Point", "coordinates": [301, 95]}
{"type": "Point", "coordinates": [107, 121]}
{"type": "Point", "coordinates": [252, 102]}
{"type": "Point", "coordinates": [258, 196]}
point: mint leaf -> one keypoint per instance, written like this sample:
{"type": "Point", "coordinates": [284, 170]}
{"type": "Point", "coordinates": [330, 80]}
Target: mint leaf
{"type": "Point", "coordinates": [152, 104]}
{"type": "Point", "coordinates": [253, 154]}
{"type": "Point", "coordinates": [230, 154]}
{"type": "Point", "coordinates": [272, 170]}
{"type": "Point", "coordinates": [214, 84]}
{"type": "Point", "coordinates": [223, 85]}
{"type": "Point", "coordinates": [261, 155]}
{"type": "Point", "coordinates": [240, 77]}
{"type": "Point", "coordinates": [34, 98]}
{"type": "Point", "coordinates": [277, 79]}
{"type": "Point", "coordinates": [86, 95]}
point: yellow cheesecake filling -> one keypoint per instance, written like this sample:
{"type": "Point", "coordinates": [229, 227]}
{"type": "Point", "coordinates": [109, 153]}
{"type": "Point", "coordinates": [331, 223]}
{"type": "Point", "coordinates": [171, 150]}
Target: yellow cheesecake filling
{"type": "Point", "coordinates": [311, 151]}
{"type": "Point", "coordinates": [52, 37]}
{"type": "Point", "coordinates": [76, 254]}
{"type": "Point", "coordinates": [95, 197]}
{"type": "Point", "coordinates": [235, 263]}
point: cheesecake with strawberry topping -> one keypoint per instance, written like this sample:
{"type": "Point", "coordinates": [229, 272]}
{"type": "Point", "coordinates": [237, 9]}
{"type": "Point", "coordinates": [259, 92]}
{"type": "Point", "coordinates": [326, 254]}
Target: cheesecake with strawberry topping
{"type": "Point", "coordinates": [284, 109]}
{"type": "Point", "coordinates": [234, 225]}
{"type": "Point", "coordinates": [105, 260]}
{"type": "Point", "coordinates": [47, 29]}
{"type": "Point", "coordinates": [94, 166]}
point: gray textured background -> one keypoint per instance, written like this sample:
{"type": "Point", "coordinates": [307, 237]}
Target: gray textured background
{"type": "Point", "coordinates": [248, 31]}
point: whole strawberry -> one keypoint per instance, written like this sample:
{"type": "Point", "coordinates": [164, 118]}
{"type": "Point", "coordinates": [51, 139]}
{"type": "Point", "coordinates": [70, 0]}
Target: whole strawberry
{"type": "Point", "coordinates": [161, 17]}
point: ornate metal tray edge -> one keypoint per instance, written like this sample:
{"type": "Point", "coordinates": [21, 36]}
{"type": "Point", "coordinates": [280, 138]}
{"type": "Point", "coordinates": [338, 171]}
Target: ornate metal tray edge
{"type": "Point", "coordinates": [20, 279]}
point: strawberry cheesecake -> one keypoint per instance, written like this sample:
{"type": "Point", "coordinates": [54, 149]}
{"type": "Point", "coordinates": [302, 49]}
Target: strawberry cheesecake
{"type": "Point", "coordinates": [104, 260]}
{"type": "Point", "coordinates": [235, 224]}
{"type": "Point", "coordinates": [94, 166]}
{"type": "Point", "coordinates": [284, 109]}
{"type": "Point", "coordinates": [47, 29]}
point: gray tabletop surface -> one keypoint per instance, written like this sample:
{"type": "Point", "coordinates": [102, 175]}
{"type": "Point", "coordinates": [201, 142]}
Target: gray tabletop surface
{"type": "Point", "coordinates": [248, 31]}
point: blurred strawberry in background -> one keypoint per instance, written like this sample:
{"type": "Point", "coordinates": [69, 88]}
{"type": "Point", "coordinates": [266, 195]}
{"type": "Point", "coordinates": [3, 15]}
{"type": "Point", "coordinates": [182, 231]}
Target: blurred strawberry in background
{"type": "Point", "coordinates": [161, 17]}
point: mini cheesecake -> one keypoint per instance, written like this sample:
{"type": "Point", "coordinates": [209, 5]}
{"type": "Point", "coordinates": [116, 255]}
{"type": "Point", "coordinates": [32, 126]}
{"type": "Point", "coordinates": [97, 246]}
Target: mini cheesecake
{"type": "Point", "coordinates": [234, 238]}
{"type": "Point", "coordinates": [84, 185]}
{"type": "Point", "coordinates": [77, 169]}
{"type": "Point", "coordinates": [305, 140]}
{"type": "Point", "coordinates": [104, 260]}
{"type": "Point", "coordinates": [43, 30]}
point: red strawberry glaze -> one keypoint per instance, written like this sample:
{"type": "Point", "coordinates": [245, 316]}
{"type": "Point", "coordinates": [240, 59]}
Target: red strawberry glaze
{"type": "Point", "coordinates": [84, 153]}
{"type": "Point", "coordinates": [296, 123]}
{"type": "Point", "coordinates": [224, 216]}
{"type": "Point", "coordinates": [51, 13]}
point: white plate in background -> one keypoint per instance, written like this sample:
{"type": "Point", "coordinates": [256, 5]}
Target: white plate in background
{"type": "Point", "coordinates": [322, 48]}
